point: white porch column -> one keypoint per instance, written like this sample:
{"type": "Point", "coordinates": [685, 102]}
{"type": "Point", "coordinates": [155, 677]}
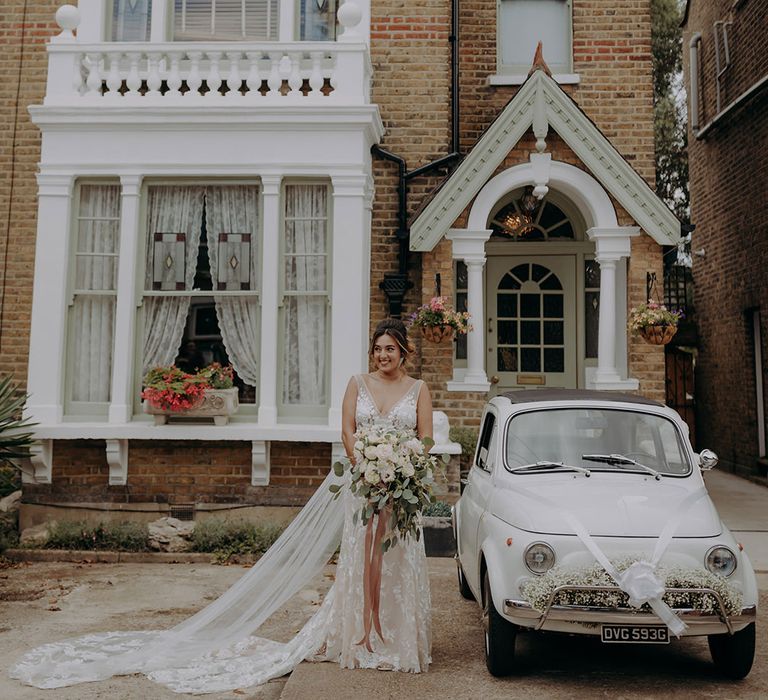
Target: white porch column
{"type": "Point", "coordinates": [350, 291]}
{"type": "Point", "coordinates": [270, 276]}
{"type": "Point", "coordinates": [121, 404]}
{"type": "Point", "coordinates": [50, 299]}
{"type": "Point", "coordinates": [611, 245]}
{"type": "Point", "coordinates": [469, 246]}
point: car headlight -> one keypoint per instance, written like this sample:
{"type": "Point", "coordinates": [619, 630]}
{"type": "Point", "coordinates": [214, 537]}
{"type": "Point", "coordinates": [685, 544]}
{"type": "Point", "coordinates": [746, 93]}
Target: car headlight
{"type": "Point", "coordinates": [720, 561]}
{"type": "Point", "coordinates": [539, 558]}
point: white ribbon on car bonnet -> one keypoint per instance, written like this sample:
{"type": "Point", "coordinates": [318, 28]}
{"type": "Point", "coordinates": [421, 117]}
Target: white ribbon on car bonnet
{"type": "Point", "coordinates": [639, 581]}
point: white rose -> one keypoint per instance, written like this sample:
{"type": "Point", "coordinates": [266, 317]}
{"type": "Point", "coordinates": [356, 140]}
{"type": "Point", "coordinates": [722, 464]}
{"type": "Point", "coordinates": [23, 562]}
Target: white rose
{"type": "Point", "coordinates": [359, 446]}
{"type": "Point", "coordinates": [371, 453]}
{"type": "Point", "coordinates": [388, 475]}
{"type": "Point", "coordinates": [408, 470]}
{"type": "Point", "coordinates": [372, 475]}
{"type": "Point", "coordinates": [415, 446]}
{"type": "Point", "coordinates": [384, 451]}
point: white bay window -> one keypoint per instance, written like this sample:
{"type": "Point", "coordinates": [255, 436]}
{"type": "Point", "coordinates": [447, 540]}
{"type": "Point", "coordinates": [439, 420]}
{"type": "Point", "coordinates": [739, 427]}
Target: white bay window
{"type": "Point", "coordinates": [225, 20]}
{"type": "Point", "coordinates": [93, 296]}
{"type": "Point", "coordinates": [305, 299]}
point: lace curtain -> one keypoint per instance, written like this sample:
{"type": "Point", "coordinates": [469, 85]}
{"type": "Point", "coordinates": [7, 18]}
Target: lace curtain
{"type": "Point", "coordinates": [305, 301]}
{"type": "Point", "coordinates": [95, 287]}
{"type": "Point", "coordinates": [233, 209]}
{"type": "Point", "coordinates": [170, 209]}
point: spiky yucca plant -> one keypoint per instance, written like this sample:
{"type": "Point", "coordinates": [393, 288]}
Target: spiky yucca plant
{"type": "Point", "coordinates": [15, 437]}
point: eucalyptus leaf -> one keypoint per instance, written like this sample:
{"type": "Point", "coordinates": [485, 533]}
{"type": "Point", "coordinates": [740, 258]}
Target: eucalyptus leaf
{"type": "Point", "coordinates": [446, 458]}
{"type": "Point", "coordinates": [428, 443]}
{"type": "Point", "coordinates": [338, 469]}
{"type": "Point", "coordinates": [355, 517]}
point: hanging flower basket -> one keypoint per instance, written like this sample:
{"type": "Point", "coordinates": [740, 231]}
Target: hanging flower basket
{"type": "Point", "coordinates": [437, 334]}
{"type": "Point", "coordinates": [658, 335]}
{"type": "Point", "coordinates": [438, 321]}
{"type": "Point", "coordinates": [655, 323]}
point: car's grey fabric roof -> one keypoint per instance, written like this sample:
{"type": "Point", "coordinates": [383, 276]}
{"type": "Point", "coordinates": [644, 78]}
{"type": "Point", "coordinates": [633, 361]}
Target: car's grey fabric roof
{"type": "Point", "coordinates": [536, 395]}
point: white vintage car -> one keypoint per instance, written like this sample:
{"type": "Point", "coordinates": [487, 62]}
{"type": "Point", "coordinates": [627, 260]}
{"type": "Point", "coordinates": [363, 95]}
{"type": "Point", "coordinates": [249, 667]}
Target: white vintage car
{"type": "Point", "coordinates": [586, 513]}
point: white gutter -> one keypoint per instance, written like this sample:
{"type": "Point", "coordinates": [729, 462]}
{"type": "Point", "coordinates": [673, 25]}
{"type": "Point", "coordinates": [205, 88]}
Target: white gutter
{"type": "Point", "coordinates": [693, 49]}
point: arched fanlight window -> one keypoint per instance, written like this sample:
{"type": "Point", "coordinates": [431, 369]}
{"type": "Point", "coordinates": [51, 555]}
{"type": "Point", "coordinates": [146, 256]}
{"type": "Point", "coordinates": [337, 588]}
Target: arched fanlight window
{"type": "Point", "coordinates": [526, 218]}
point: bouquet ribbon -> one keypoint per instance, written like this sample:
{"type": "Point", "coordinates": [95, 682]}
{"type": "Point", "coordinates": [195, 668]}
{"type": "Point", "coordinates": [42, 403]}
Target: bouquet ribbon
{"type": "Point", "coordinates": [639, 581]}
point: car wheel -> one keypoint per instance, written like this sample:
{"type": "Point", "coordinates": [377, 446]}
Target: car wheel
{"type": "Point", "coordinates": [500, 635]}
{"type": "Point", "coordinates": [464, 589]}
{"type": "Point", "coordinates": [733, 654]}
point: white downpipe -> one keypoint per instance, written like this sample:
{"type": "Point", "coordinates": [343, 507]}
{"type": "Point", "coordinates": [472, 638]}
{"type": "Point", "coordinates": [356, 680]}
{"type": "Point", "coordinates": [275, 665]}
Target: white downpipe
{"type": "Point", "coordinates": [693, 49]}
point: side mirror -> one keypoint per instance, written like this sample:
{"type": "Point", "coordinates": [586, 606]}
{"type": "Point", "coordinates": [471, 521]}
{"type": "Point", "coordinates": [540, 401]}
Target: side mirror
{"type": "Point", "coordinates": [707, 460]}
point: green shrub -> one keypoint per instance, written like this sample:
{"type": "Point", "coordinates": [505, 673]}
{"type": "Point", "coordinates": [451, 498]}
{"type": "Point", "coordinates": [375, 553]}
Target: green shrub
{"type": "Point", "coordinates": [438, 509]}
{"type": "Point", "coordinates": [467, 438]}
{"type": "Point", "coordinates": [228, 538]}
{"type": "Point", "coordinates": [15, 436]}
{"type": "Point", "coordinates": [9, 530]}
{"type": "Point", "coordinates": [118, 537]}
{"type": "Point", "coordinates": [10, 479]}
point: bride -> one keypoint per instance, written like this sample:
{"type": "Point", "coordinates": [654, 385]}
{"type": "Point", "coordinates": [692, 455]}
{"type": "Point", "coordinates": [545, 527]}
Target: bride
{"type": "Point", "coordinates": [376, 615]}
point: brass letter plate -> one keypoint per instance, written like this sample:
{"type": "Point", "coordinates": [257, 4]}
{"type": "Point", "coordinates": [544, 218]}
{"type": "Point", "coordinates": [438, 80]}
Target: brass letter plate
{"type": "Point", "coordinates": [531, 379]}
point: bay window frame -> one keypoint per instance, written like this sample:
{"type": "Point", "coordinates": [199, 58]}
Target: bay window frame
{"type": "Point", "coordinates": [304, 413]}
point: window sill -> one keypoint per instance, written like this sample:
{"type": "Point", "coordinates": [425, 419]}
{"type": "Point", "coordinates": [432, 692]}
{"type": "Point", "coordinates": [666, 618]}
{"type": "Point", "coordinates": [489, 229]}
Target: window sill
{"type": "Point", "coordinates": [145, 430]}
{"type": "Point", "coordinates": [520, 78]}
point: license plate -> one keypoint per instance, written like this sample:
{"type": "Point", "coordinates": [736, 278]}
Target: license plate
{"type": "Point", "coordinates": [634, 634]}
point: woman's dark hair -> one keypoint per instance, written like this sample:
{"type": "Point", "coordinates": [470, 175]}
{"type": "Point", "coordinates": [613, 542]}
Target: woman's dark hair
{"type": "Point", "coordinates": [396, 329]}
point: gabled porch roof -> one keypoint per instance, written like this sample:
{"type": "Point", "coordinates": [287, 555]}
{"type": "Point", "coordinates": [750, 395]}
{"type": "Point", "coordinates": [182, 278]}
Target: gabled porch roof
{"type": "Point", "coordinates": [542, 103]}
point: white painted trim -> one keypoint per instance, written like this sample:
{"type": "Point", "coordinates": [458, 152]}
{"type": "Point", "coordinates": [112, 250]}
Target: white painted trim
{"type": "Point", "coordinates": [338, 452]}
{"type": "Point", "coordinates": [520, 78]}
{"type": "Point", "coordinates": [614, 384]}
{"type": "Point", "coordinates": [147, 430]}
{"type": "Point", "coordinates": [468, 386]}
{"type": "Point", "coordinates": [41, 459]}
{"type": "Point", "coordinates": [600, 157]}
{"type": "Point", "coordinates": [260, 463]}
{"type": "Point", "coordinates": [577, 185]}
{"type": "Point", "coordinates": [117, 459]}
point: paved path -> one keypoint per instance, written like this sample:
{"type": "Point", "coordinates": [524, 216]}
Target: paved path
{"type": "Point", "coordinates": [743, 506]}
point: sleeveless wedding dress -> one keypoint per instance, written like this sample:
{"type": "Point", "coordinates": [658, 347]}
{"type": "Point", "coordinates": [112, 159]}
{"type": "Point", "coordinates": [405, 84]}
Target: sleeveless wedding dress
{"type": "Point", "coordinates": [216, 649]}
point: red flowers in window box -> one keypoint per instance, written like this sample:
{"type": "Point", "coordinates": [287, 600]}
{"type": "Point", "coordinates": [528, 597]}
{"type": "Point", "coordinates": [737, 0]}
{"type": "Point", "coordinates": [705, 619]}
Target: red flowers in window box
{"type": "Point", "coordinates": [171, 389]}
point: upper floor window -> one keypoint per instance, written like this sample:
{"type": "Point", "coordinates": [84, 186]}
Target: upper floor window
{"type": "Point", "coordinates": [317, 21]}
{"type": "Point", "coordinates": [225, 20]}
{"type": "Point", "coordinates": [131, 20]}
{"type": "Point", "coordinates": [524, 23]}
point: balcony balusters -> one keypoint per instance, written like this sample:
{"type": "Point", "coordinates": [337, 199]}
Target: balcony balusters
{"type": "Point", "coordinates": [176, 73]}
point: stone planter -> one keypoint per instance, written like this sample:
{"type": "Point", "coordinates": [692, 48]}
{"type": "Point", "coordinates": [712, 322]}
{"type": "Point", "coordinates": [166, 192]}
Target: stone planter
{"type": "Point", "coordinates": [218, 404]}
{"type": "Point", "coordinates": [438, 537]}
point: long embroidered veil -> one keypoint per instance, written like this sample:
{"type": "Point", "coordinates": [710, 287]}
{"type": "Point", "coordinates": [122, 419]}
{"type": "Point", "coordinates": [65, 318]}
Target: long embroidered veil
{"type": "Point", "coordinates": [214, 649]}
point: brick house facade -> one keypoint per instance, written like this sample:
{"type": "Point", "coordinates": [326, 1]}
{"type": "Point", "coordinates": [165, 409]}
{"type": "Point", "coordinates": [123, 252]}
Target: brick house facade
{"type": "Point", "coordinates": [728, 152]}
{"type": "Point", "coordinates": [265, 458]}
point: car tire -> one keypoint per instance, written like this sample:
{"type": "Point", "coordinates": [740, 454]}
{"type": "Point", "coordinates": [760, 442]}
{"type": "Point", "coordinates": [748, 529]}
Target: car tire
{"type": "Point", "coordinates": [464, 589]}
{"type": "Point", "coordinates": [733, 654]}
{"type": "Point", "coordinates": [500, 636]}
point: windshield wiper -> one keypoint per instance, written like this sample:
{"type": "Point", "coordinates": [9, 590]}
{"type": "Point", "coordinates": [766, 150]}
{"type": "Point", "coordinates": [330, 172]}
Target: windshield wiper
{"type": "Point", "coordinates": [621, 459]}
{"type": "Point", "coordinates": [546, 464]}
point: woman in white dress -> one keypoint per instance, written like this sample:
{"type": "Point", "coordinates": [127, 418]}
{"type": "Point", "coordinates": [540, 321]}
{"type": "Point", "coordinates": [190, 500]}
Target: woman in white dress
{"type": "Point", "coordinates": [363, 622]}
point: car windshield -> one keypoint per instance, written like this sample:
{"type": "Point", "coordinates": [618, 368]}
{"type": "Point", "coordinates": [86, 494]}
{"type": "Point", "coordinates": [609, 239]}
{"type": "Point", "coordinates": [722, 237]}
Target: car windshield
{"type": "Point", "coordinates": [598, 439]}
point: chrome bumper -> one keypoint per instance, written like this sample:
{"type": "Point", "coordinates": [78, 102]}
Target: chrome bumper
{"type": "Point", "coordinates": [522, 610]}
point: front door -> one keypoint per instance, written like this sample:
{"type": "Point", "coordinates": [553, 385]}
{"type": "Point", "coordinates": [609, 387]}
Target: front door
{"type": "Point", "coordinates": [531, 329]}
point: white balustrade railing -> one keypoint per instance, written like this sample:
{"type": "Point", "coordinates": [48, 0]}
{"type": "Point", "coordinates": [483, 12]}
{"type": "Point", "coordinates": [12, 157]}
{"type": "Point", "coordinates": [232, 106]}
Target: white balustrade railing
{"type": "Point", "coordinates": [207, 72]}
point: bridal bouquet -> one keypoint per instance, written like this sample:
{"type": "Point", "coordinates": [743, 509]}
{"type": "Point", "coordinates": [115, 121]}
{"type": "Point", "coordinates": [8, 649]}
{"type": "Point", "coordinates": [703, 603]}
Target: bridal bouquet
{"type": "Point", "coordinates": [394, 469]}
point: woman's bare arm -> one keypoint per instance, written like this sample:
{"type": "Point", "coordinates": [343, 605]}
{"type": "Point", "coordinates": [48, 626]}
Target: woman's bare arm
{"type": "Point", "coordinates": [424, 413]}
{"type": "Point", "coordinates": [348, 426]}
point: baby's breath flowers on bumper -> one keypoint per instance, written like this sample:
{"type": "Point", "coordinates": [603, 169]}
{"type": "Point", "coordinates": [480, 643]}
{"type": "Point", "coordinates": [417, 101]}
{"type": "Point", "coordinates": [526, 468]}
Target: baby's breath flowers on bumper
{"type": "Point", "coordinates": [538, 591]}
{"type": "Point", "coordinates": [393, 471]}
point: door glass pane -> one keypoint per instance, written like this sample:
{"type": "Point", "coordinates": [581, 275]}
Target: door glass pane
{"type": "Point", "coordinates": [591, 322]}
{"type": "Point", "coordinates": [530, 305]}
{"type": "Point", "coordinates": [530, 332]}
{"type": "Point", "coordinates": [509, 282]}
{"type": "Point", "coordinates": [506, 305]}
{"type": "Point", "coordinates": [553, 306]}
{"type": "Point", "coordinates": [551, 282]}
{"type": "Point", "coordinates": [554, 360]}
{"type": "Point", "coordinates": [591, 274]}
{"type": "Point", "coordinates": [530, 360]}
{"type": "Point", "coordinates": [507, 332]}
{"type": "Point", "coordinates": [553, 333]}
{"type": "Point", "coordinates": [506, 359]}
{"type": "Point", "coordinates": [521, 272]}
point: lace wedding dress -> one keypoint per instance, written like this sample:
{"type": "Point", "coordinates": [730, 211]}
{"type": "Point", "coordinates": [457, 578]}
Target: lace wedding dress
{"type": "Point", "coordinates": [216, 649]}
